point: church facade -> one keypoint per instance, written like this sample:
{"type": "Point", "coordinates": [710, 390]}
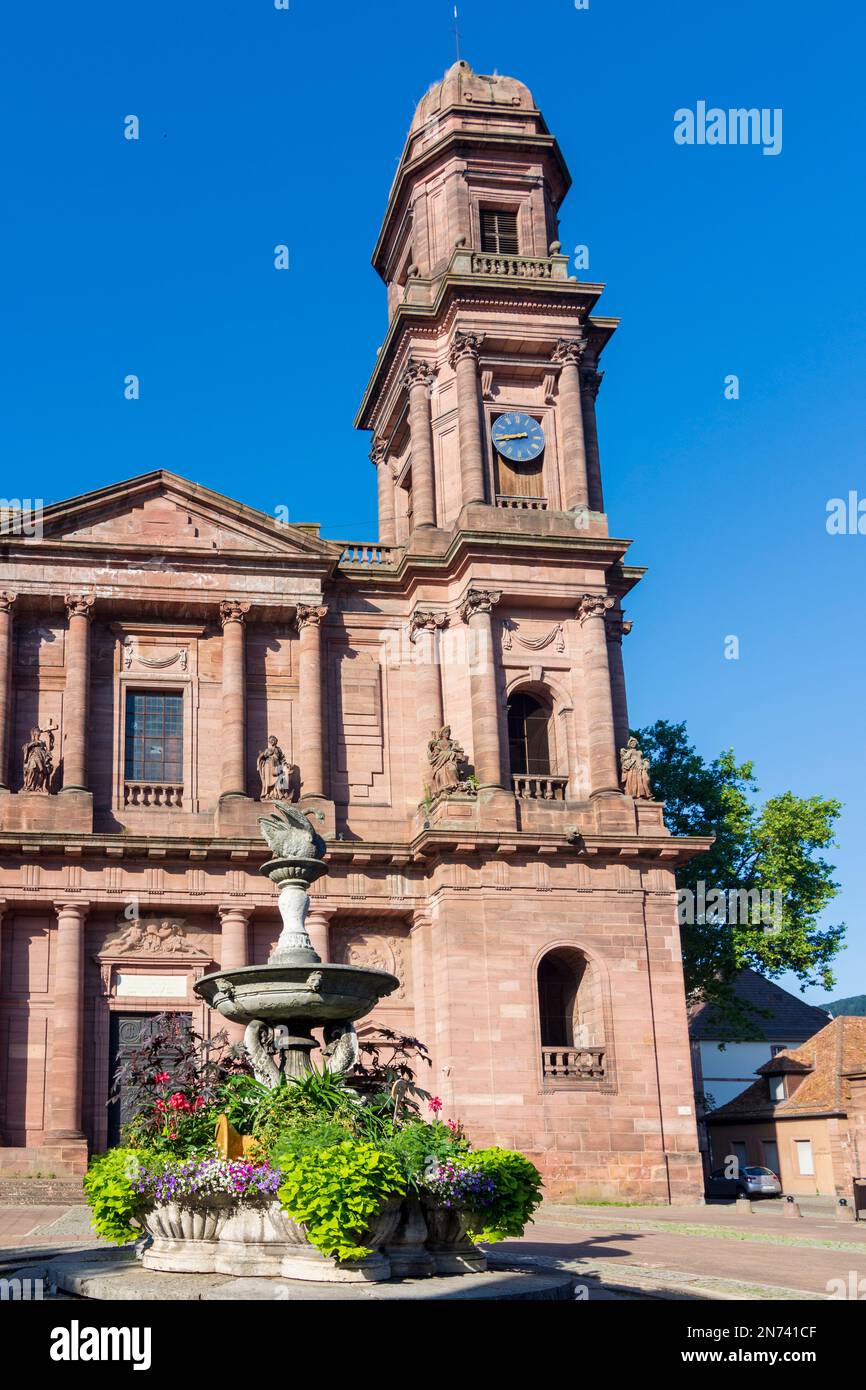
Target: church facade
{"type": "Point", "coordinates": [449, 700]}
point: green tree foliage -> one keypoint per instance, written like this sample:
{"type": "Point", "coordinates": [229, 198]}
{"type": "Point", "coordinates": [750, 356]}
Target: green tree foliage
{"type": "Point", "coordinates": [773, 847]}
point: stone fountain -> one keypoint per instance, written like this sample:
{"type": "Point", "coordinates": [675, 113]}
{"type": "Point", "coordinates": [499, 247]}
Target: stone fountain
{"type": "Point", "coordinates": [280, 1003]}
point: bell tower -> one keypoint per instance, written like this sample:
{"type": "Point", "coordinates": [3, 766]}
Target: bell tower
{"type": "Point", "coordinates": [483, 395]}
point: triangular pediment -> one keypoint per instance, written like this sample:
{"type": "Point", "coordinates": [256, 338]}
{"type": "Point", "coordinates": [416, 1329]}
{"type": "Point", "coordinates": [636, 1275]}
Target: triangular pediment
{"type": "Point", "coordinates": [162, 512]}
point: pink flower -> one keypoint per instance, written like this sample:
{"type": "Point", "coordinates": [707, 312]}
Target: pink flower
{"type": "Point", "coordinates": [161, 1077]}
{"type": "Point", "coordinates": [435, 1104]}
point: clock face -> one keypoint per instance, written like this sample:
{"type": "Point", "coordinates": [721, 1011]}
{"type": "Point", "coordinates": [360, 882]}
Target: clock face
{"type": "Point", "coordinates": [518, 437]}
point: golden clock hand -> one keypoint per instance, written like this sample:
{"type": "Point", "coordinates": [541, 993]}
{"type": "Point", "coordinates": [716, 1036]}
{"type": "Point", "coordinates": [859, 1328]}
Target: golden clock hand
{"type": "Point", "coordinates": [501, 438]}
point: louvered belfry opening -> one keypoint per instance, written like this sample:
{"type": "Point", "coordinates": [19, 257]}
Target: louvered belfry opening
{"type": "Point", "coordinates": [499, 232]}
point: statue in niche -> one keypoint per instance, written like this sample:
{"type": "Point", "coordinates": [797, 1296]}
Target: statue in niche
{"type": "Point", "coordinates": [635, 772]}
{"type": "Point", "coordinates": [444, 755]}
{"type": "Point", "coordinates": [275, 772]}
{"type": "Point", "coordinates": [38, 759]}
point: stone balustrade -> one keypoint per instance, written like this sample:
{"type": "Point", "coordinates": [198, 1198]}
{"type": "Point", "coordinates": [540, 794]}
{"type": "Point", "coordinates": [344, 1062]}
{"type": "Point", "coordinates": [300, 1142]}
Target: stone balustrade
{"type": "Point", "coordinates": [531, 786]}
{"type": "Point", "coordinates": [572, 1063]}
{"type": "Point", "coordinates": [363, 555]}
{"type": "Point", "coordinates": [152, 795]}
{"type": "Point", "coordinates": [515, 267]}
{"type": "Point", "coordinates": [524, 504]}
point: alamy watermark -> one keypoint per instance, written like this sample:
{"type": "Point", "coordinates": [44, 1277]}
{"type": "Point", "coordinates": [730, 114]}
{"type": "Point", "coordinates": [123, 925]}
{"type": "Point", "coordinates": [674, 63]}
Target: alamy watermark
{"type": "Point", "coordinates": [746, 907]}
{"type": "Point", "coordinates": [711, 125]}
{"type": "Point", "coordinates": [21, 516]}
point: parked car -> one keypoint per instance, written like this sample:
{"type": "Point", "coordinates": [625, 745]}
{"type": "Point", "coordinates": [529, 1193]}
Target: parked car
{"type": "Point", "coordinates": [751, 1182]}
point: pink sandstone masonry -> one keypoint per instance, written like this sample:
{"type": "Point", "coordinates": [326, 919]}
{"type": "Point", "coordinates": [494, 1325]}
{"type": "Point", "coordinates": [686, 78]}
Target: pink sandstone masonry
{"type": "Point", "coordinates": [529, 910]}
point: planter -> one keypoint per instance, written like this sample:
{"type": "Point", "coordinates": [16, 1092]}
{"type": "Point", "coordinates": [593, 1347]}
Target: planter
{"type": "Point", "coordinates": [255, 1239]}
{"type": "Point", "coordinates": [407, 1247]}
{"type": "Point", "coordinates": [448, 1241]}
{"type": "Point", "coordinates": [184, 1239]}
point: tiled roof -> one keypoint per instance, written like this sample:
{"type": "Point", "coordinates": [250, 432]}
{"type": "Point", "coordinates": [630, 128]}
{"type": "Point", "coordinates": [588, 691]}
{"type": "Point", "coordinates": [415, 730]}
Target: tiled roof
{"type": "Point", "coordinates": [839, 1050]}
{"type": "Point", "coordinates": [782, 1017]}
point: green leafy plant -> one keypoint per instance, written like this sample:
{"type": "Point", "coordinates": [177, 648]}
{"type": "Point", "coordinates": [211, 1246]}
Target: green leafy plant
{"type": "Point", "coordinates": [337, 1193]}
{"type": "Point", "coordinates": [110, 1190]}
{"type": "Point", "coordinates": [419, 1146]}
{"type": "Point", "coordinates": [516, 1192]}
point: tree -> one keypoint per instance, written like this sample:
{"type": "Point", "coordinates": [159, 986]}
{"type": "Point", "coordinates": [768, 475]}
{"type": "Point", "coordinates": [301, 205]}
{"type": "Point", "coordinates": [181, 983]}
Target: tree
{"type": "Point", "coordinates": [770, 850]}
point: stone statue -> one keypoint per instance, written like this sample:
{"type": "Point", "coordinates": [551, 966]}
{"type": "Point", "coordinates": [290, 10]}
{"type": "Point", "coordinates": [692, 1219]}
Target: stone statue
{"type": "Point", "coordinates": [635, 772]}
{"type": "Point", "coordinates": [290, 835]}
{"type": "Point", "coordinates": [444, 754]}
{"type": "Point", "coordinates": [38, 761]}
{"type": "Point", "coordinates": [275, 772]}
{"type": "Point", "coordinates": [341, 1050]}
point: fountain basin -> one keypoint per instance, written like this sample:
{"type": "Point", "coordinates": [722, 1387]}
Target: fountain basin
{"type": "Point", "coordinates": [286, 993]}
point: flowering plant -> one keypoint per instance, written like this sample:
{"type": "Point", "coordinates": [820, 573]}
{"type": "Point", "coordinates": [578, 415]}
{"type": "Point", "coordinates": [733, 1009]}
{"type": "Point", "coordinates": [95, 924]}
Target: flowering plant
{"type": "Point", "coordinates": [455, 1185]}
{"type": "Point", "coordinates": [183, 1180]}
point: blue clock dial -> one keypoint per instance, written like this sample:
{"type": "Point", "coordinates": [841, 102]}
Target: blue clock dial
{"type": "Point", "coordinates": [518, 437]}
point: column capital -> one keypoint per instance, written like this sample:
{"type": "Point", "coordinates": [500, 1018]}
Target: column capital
{"type": "Point", "coordinates": [235, 910]}
{"type": "Point", "coordinates": [310, 613]}
{"type": "Point", "coordinates": [7, 599]}
{"type": "Point", "coordinates": [324, 913]}
{"type": "Point", "coordinates": [569, 351]}
{"type": "Point", "coordinates": [378, 452]}
{"type": "Point", "coordinates": [421, 917]}
{"type": "Point", "coordinates": [593, 606]}
{"type": "Point", "coordinates": [465, 345]}
{"type": "Point", "coordinates": [590, 381]}
{"type": "Point", "coordinates": [425, 620]}
{"type": "Point", "coordinates": [418, 373]}
{"type": "Point", "coordinates": [79, 605]}
{"type": "Point", "coordinates": [617, 626]}
{"type": "Point", "coordinates": [65, 905]}
{"type": "Point", "coordinates": [233, 610]}
{"type": "Point", "coordinates": [479, 601]}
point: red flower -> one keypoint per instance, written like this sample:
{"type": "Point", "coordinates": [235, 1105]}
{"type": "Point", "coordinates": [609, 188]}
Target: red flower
{"type": "Point", "coordinates": [435, 1104]}
{"type": "Point", "coordinates": [161, 1078]}
{"type": "Point", "coordinates": [160, 1105]}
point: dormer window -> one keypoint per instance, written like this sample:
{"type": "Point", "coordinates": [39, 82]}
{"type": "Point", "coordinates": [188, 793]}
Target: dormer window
{"type": "Point", "coordinates": [777, 1088]}
{"type": "Point", "coordinates": [499, 232]}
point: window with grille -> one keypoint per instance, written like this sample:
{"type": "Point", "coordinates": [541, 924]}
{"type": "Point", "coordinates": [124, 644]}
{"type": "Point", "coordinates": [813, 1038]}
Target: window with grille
{"type": "Point", "coordinates": [499, 232]}
{"type": "Point", "coordinates": [154, 736]}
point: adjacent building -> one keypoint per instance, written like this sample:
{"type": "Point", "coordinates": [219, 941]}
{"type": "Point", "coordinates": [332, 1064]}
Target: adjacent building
{"type": "Point", "coordinates": [449, 701]}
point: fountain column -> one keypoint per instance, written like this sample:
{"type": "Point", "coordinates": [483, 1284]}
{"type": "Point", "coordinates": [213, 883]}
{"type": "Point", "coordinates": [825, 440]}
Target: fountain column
{"type": "Point", "coordinates": [6, 602]}
{"type": "Point", "coordinates": [67, 1020]}
{"type": "Point", "coordinates": [75, 700]}
{"type": "Point", "coordinates": [309, 619]}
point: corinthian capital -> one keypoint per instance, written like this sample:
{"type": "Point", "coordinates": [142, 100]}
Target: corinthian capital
{"type": "Point", "coordinates": [590, 381]}
{"type": "Point", "coordinates": [418, 373]}
{"type": "Point", "coordinates": [6, 601]}
{"type": "Point", "coordinates": [465, 345]}
{"type": "Point", "coordinates": [617, 627]}
{"type": "Point", "coordinates": [378, 452]}
{"type": "Point", "coordinates": [479, 601]}
{"type": "Point", "coordinates": [425, 620]}
{"type": "Point", "coordinates": [79, 605]}
{"type": "Point", "coordinates": [593, 606]}
{"type": "Point", "coordinates": [310, 613]}
{"type": "Point", "coordinates": [233, 611]}
{"type": "Point", "coordinates": [569, 351]}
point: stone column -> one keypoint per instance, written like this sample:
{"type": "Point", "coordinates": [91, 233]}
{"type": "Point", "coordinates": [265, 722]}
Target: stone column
{"type": "Point", "coordinates": [318, 930]}
{"type": "Point", "coordinates": [424, 628]}
{"type": "Point", "coordinates": [76, 699]}
{"type": "Point", "coordinates": [385, 485]}
{"type": "Point", "coordinates": [67, 1022]}
{"type": "Point", "coordinates": [418, 380]}
{"type": "Point", "coordinates": [487, 755]}
{"type": "Point", "coordinates": [464, 360]}
{"type": "Point", "coordinates": [575, 490]}
{"type": "Point", "coordinates": [603, 760]}
{"type": "Point", "coordinates": [234, 949]}
{"type": "Point", "coordinates": [590, 381]}
{"type": "Point", "coordinates": [310, 698]}
{"type": "Point", "coordinates": [617, 628]}
{"type": "Point", "coordinates": [6, 602]}
{"type": "Point", "coordinates": [233, 734]}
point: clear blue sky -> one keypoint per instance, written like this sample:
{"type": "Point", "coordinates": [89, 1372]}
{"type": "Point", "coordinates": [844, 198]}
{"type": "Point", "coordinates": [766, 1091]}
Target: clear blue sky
{"type": "Point", "coordinates": [261, 126]}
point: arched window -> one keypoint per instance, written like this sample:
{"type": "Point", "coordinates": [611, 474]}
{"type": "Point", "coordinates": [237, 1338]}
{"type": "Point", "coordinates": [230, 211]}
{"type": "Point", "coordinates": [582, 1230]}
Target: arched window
{"type": "Point", "coordinates": [528, 743]}
{"type": "Point", "coordinates": [571, 1018]}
